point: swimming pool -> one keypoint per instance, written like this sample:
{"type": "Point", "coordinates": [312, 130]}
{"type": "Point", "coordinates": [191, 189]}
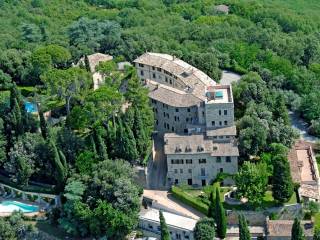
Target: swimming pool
{"type": "Point", "coordinates": [10, 206]}
{"type": "Point", "coordinates": [30, 107]}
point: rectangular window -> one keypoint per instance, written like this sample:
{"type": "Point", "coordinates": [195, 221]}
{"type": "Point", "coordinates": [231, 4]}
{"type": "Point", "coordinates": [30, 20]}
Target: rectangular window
{"type": "Point", "coordinates": [177, 109]}
{"type": "Point", "coordinates": [141, 73]}
{"type": "Point", "coordinates": [203, 171]}
{"type": "Point", "coordinates": [203, 160]}
{"type": "Point", "coordinates": [167, 115]}
{"type": "Point", "coordinates": [220, 123]}
{"type": "Point", "coordinates": [203, 182]}
{"type": "Point", "coordinates": [188, 161]}
{"type": "Point", "coordinates": [175, 118]}
{"type": "Point", "coordinates": [189, 170]}
{"type": "Point", "coordinates": [220, 112]}
{"type": "Point", "coordinates": [228, 159]}
{"type": "Point", "coordinates": [176, 181]}
{"type": "Point", "coordinates": [218, 159]}
{"type": "Point", "coordinates": [221, 170]}
{"type": "Point", "coordinates": [166, 79]}
{"type": "Point", "coordinates": [168, 127]}
{"type": "Point", "coordinates": [225, 112]}
{"type": "Point", "coordinates": [189, 110]}
{"type": "Point", "coordinates": [181, 170]}
{"type": "Point", "coordinates": [213, 123]}
{"type": "Point", "coordinates": [163, 105]}
{"type": "Point", "coordinates": [172, 129]}
{"type": "Point", "coordinates": [170, 81]}
{"type": "Point", "coordinates": [141, 65]}
{"type": "Point", "coordinates": [225, 123]}
{"type": "Point", "coordinates": [153, 75]}
{"type": "Point", "coordinates": [176, 171]}
{"type": "Point", "coordinates": [153, 68]}
{"type": "Point", "coordinates": [164, 114]}
{"type": "Point", "coordinates": [190, 181]}
{"type": "Point", "coordinates": [159, 69]}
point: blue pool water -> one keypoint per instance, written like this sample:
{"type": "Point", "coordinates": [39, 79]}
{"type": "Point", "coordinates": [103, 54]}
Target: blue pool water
{"type": "Point", "coordinates": [30, 107]}
{"type": "Point", "coordinates": [10, 206]}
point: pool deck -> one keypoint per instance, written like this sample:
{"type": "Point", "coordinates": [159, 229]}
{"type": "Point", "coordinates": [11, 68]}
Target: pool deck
{"type": "Point", "coordinates": [30, 214]}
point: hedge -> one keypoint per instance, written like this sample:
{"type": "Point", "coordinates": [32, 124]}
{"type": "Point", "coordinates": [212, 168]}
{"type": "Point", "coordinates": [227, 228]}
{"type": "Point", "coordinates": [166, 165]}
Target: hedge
{"type": "Point", "coordinates": [179, 194]}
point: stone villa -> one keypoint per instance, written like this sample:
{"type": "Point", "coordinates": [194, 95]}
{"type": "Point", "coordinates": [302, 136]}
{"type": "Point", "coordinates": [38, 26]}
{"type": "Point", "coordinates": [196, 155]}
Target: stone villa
{"type": "Point", "coordinates": [194, 115]}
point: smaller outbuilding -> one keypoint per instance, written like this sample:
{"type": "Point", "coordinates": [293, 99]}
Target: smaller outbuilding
{"type": "Point", "coordinates": [180, 227]}
{"type": "Point", "coordinates": [281, 229]}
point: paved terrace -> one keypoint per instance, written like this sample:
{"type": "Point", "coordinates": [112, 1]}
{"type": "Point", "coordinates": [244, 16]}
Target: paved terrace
{"type": "Point", "coordinates": [304, 169]}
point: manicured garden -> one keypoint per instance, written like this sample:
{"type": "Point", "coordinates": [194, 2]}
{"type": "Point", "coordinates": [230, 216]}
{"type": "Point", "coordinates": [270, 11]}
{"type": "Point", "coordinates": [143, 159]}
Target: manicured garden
{"type": "Point", "coordinates": [199, 198]}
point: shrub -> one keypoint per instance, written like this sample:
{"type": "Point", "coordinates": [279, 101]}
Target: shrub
{"type": "Point", "coordinates": [189, 200]}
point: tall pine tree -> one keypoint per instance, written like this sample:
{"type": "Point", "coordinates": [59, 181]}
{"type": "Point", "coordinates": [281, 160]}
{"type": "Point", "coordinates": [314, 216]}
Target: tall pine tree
{"type": "Point", "coordinates": [220, 216]}
{"type": "Point", "coordinates": [296, 231]}
{"type": "Point", "coordinates": [244, 233]}
{"type": "Point", "coordinates": [282, 185]}
{"type": "Point", "coordinates": [165, 235]}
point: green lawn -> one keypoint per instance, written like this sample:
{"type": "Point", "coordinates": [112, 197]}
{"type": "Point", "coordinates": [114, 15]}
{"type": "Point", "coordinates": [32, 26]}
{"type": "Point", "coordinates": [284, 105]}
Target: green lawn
{"type": "Point", "coordinates": [202, 197]}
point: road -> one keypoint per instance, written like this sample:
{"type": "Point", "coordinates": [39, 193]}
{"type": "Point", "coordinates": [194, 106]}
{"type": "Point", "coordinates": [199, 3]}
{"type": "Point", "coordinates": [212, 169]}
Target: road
{"type": "Point", "coordinates": [157, 169]}
{"type": "Point", "coordinates": [302, 127]}
{"type": "Point", "coordinates": [229, 77]}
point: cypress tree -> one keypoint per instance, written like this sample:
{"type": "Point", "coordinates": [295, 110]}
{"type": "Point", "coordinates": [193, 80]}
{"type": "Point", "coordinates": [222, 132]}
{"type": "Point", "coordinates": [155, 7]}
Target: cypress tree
{"type": "Point", "coordinates": [60, 171]}
{"type": "Point", "coordinates": [296, 231]}
{"type": "Point", "coordinates": [220, 216]}
{"type": "Point", "coordinates": [244, 233]}
{"type": "Point", "coordinates": [100, 145]}
{"type": "Point", "coordinates": [282, 186]}
{"type": "Point", "coordinates": [63, 159]}
{"type": "Point", "coordinates": [211, 210]}
{"type": "Point", "coordinates": [86, 63]}
{"type": "Point", "coordinates": [130, 153]}
{"type": "Point", "coordinates": [3, 142]}
{"type": "Point", "coordinates": [16, 111]}
{"type": "Point", "coordinates": [43, 124]}
{"type": "Point", "coordinates": [15, 95]}
{"type": "Point", "coordinates": [93, 144]}
{"type": "Point", "coordinates": [142, 139]}
{"type": "Point", "coordinates": [165, 235]}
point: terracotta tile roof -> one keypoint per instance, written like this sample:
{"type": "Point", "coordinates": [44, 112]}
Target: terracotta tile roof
{"type": "Point", "coordinates": [96, 58]}
{"type": "Point", "coordinates": [171, 96]}
{"type": "Point", "coordinates": [192, 77]}
{"type": "Point", "coordinates": [197, 143]}
{"type": "Point", "coordinates": [282, 228]}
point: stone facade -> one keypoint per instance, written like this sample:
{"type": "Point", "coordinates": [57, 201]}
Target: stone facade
{"type": "Point", "coordinates": [192, 112]}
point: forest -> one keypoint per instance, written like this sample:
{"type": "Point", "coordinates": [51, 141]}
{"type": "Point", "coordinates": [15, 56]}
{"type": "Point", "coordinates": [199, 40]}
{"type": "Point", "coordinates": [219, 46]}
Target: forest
{"type": "Point", "coordinates": [87, 155]}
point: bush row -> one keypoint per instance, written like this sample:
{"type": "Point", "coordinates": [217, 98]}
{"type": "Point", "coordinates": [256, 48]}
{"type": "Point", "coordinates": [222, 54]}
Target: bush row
{"type": "Point", "coordinates": [179, 194]}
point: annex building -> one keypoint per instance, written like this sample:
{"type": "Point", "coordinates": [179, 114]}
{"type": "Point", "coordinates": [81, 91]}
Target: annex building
{"type": "Point", "coordinates": [195, 116]}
